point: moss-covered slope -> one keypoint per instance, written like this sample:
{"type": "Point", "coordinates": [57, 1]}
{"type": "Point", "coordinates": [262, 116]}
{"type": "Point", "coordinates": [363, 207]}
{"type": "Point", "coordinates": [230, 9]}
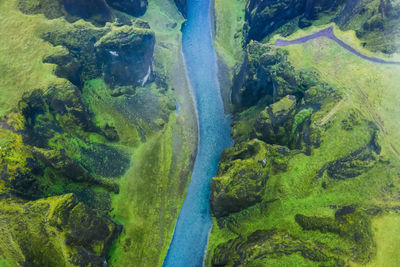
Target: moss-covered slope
{"type": "Point", "coordinates": [87, 100]}
{"type": "Point", "coordinates": [314, 169]}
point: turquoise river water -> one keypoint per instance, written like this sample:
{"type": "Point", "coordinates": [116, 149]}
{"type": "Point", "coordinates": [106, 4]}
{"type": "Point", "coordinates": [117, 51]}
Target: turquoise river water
{"type": "Point", "coordinates": [190, 237]}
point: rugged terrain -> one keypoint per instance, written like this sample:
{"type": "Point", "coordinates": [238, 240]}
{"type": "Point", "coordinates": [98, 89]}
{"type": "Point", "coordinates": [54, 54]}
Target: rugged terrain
{"type": "Point", "coordinates": [312, 179]}
{"type": "Point", "coordinates": [97, 131]}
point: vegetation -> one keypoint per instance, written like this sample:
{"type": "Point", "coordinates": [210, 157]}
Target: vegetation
{"type": "Point", "coordinates": [70, 122]}
{"type": "Point", "coordinates": [327, 205]}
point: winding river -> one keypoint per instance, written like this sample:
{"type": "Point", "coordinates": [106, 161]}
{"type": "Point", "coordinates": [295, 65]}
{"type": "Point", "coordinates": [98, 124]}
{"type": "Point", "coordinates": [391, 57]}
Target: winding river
{"type": "Point", "coordinates": [194, 222]}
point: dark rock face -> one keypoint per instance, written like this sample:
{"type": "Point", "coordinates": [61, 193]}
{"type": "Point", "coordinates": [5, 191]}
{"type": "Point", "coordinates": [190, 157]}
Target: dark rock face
{"type": "Point", "coordinates": [265, 77]}
{"type": "Point", "coordinates": [264, 16]}
{"type": "Point", "coordinates": [123, 55]}
{"type": "Point", "coordinates": [95, 10]}
{"type": "Point", "coordinates": [314, 8]}
{"type": "Point", "coordinates": [128, 56]}
{"type": "Point", "coordinates": [242, 175]}
{"type": "Point", "coordinates": [182, 7]}
{"type": "Point", "coordinates": [133, 7]}
{"type": "Point", "coordinates": [375, 21]}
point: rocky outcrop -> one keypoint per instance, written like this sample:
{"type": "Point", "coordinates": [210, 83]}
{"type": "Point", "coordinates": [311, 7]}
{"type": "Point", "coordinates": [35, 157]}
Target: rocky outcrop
{"type": "Point", "coordinates": [242, 175]}
{"type": "Point", "coordinates": [123, 55]}
{"type": "Point", "coordinates": [275, 121]}
{"type": "Point", "coordinates": [264, 16]}
{"type": "Point", "coordinates": [354, 164]}
{"type": "Point", "coordinates": [133, 7]}
{"type": "Point", "coordinates": [33, 232]}
{"type": "Point", "coordinates": [244, 251]}
{"type": "Point", "coordinates": [127, 55]}
{"type": "Point", "coordinates": [349, 223]}
{"type": "Point", "coordinates": [376, 23]}
{"type": "Point", "coordinates": [266, 77]}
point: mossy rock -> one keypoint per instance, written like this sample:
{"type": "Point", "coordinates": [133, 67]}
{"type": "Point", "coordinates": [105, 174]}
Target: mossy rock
{"type": "Point", "coordinates": [244, 251]}
{"type": "Point", "coordinates": [276, 121]}
{"type": "Point", "coordinates": [243, 174]}
{"type": "Point", "coordinates": [349, 223]}
{"type": "Point", "coordinates": [55, 231]}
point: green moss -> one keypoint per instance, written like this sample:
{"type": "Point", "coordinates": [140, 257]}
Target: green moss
{"type": "Point", "coordinates": [37, 231]}
{"type": "Point", "coordinates": [300, 118]}
{"type": "Point", "coordinates": [22, 55]}
{"type": "Point", "coordinates": [360, 148]}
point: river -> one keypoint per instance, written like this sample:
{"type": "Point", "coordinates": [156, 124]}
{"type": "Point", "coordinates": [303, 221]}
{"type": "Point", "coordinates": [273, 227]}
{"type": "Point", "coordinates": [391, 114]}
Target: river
{"type": "Point", "coordinates": [194, 222]}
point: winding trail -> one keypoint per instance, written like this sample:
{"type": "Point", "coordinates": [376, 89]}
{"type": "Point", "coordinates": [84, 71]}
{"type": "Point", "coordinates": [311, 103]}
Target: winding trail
{"type": "Point", "coordinates": [329, 33]}
{"type": "Point", "coordinates": [194, 222]}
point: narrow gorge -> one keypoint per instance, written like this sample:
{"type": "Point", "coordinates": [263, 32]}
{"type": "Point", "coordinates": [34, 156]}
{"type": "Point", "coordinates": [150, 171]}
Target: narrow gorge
{"type": "Point", "coordinates": [199, 133]}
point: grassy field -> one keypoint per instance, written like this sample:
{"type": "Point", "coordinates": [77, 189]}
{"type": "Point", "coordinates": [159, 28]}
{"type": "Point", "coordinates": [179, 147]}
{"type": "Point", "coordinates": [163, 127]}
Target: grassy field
{"type": "Point", "coordinates": [21, 55]}
{"type": "Point", "coordinates": [387, 237]}
{"type": "Point", "coordinates": [370, 90]}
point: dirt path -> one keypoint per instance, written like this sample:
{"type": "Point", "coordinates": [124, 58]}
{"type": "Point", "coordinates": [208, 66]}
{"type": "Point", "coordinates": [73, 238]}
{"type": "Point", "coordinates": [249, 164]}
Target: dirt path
{"type": "Point", "coordinates": [329, 33]}
{"type": "Point", "coordinates": [332, 112]}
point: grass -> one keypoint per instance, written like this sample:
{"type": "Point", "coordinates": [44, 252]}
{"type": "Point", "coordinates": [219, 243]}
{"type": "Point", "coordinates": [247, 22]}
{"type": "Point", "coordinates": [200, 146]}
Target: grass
{"type": "Point", "coordinates": [229, 24]}
{"type": "Point", "coordinates": [162, 143]}
{"type": "Point", "coordinates": [373, 92]}
{"type": "Point", "coordinates": [21, 55]}
{"type": "Point", "coordinates": [387, 236]}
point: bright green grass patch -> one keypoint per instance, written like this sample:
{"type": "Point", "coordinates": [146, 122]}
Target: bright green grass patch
{"type": "Point", "coordinates": [387, 238]}
{"type": "Point", "coordinates": [21, 55]}
{"type": "Point", "coordinates": [229, 24]}
{"type": "Point", "coordinates": [6, 263]}
{"type": "Point", "coordinates": [97, 96]}
{"type": "Point", "coordinates": [149, 201]}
